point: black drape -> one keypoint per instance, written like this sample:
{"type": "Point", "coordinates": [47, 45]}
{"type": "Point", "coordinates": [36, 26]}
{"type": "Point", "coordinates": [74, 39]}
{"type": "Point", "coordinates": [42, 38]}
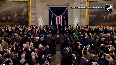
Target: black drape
{"type": "Point", "coordinates": [58, 11]}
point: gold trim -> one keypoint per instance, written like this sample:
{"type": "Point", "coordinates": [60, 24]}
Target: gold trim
{"type": "Point", "coordinates": [29, 9]}
{"type": "Point", "coordinates": [57, 15]}
{"type": "Point", "coordinates": [87, 12]}
{"type": "Point", "coordinates": [29, 12]}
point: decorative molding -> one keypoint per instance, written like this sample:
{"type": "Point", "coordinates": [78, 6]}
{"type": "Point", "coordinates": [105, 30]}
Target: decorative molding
{"type": "Point", "coordinates": [58, 5]}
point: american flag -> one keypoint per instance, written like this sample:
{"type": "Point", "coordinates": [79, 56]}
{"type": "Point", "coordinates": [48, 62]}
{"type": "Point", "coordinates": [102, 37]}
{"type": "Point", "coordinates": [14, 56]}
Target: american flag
{"type": "Point", "coordinates": [58, 20]}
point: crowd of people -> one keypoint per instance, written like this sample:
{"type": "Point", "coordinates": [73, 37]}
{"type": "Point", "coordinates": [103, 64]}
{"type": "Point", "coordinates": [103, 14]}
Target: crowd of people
{"type": "Point", "coordinates": [20, 45]}
{"type": "Point", "coordinates": [82, 45]}
{"type": "Point", "coordinates": [90, 45]}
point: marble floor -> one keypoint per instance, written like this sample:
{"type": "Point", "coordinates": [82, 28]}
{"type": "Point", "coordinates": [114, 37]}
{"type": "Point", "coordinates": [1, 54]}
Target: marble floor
{"type": "Point", "coordinates": [56, 59]}
{"type": "Point", "coordinates": [58, 47]}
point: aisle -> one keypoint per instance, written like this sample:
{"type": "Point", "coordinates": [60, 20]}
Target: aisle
{"type": "Point", "coordinates": [58, 47]}
{"type": "Point", "coordinates": [56, 59]}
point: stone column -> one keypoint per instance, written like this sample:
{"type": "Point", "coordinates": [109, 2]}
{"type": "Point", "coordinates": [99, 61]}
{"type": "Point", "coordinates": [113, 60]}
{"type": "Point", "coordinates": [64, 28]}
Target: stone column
{"type": "Point", "coordinates": [46, 14]}
{"type": "Point", "coordinates": [33, 12]}
{"type": "Point", "coordinates": [83, 13]}
{"type": "Point", "coordinates": [76, 12]}
{"type": "Point", "coordinates": [39, 10]}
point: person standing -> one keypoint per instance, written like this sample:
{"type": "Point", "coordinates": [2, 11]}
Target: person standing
{"type": "Point", "coordinates": [76, 32]}
{"type": "Point", "coordinates": [59, 27]}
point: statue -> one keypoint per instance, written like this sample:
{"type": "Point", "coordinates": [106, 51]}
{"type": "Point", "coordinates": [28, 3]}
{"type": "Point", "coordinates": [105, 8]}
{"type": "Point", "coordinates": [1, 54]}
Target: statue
{"type": "Point", "coordinates": [40, 21]}
{"type": "Point", "coordinates": [76, 21]}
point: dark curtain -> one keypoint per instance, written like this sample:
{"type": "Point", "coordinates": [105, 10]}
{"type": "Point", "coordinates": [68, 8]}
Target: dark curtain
{"type": "Point", "coordinates": [57, 11]}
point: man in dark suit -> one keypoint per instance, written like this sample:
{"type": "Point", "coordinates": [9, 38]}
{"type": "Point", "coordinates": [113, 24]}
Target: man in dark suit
{"type": "Point", "coordinates": [44, 32]}
{"type": "Point", "coordinates": [59, 27]}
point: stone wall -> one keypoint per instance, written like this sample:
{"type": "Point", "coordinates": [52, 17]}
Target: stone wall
{"type": "Point", "coordinates": [33, 12]}
{"type": "Point", "coordinates": [83, 12]}
{"type": "Point", "coordinates": [41, 8]}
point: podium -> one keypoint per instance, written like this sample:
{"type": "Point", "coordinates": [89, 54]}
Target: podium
{"type": "Point", "coordinates": [58, 38]}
